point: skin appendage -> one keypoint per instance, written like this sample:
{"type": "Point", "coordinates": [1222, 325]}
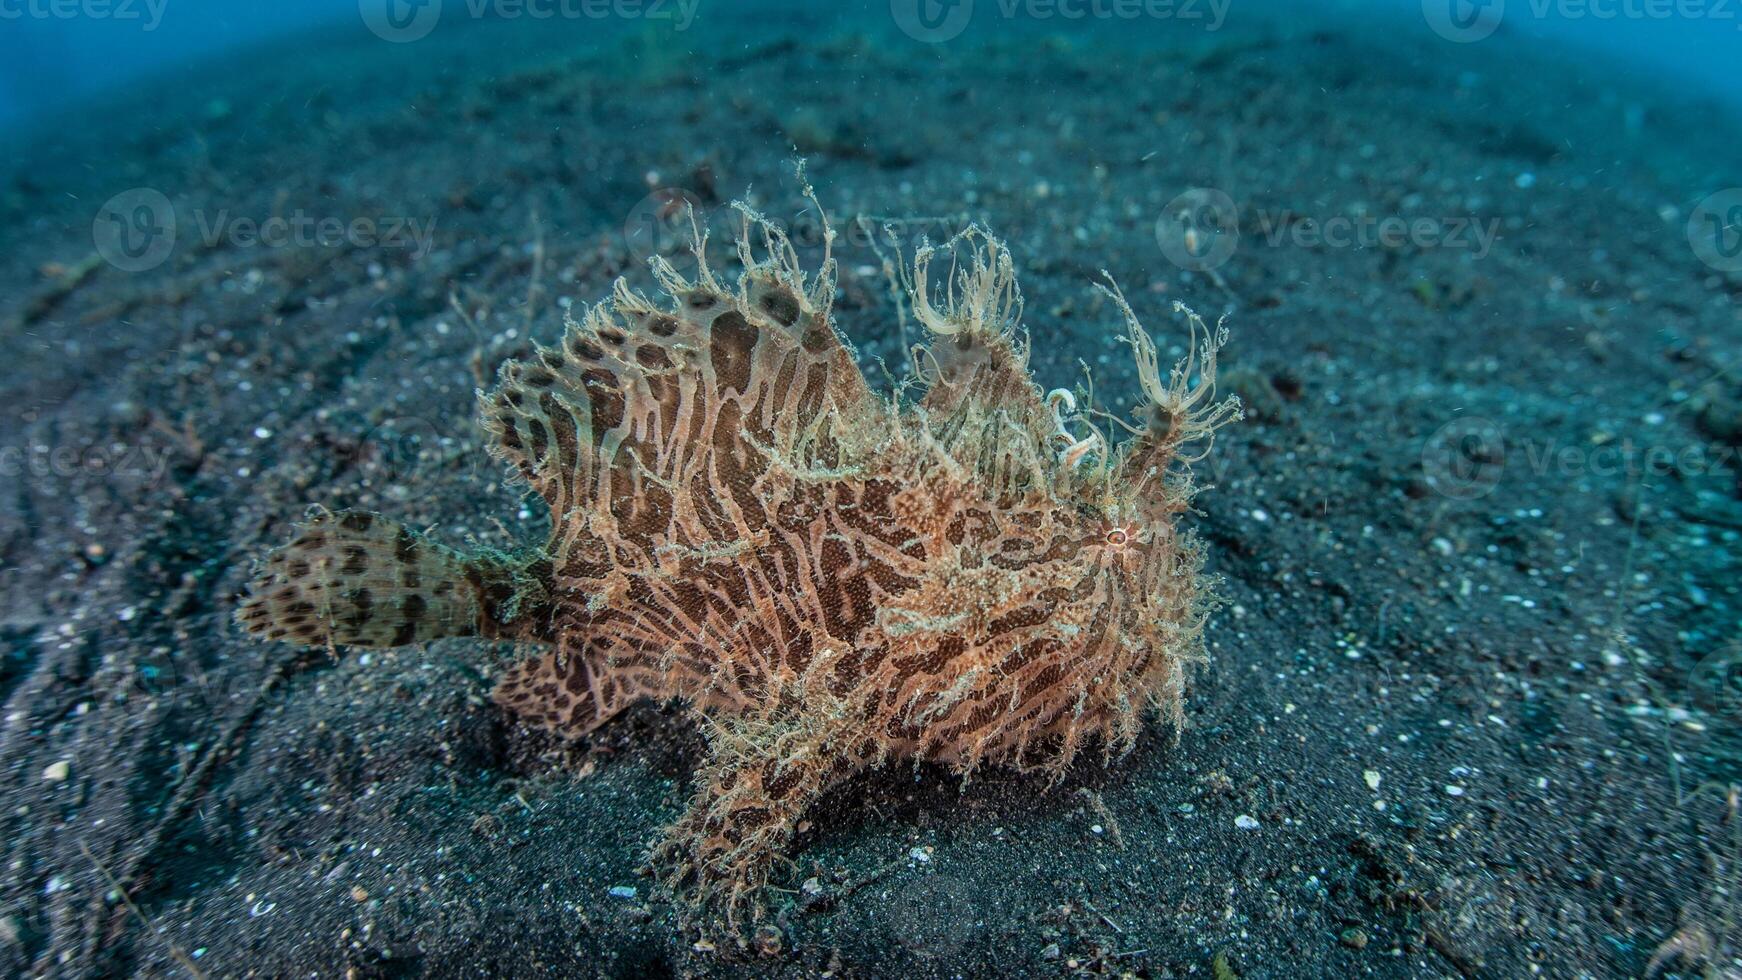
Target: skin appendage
{"type": "Point", "coordinates": [829, 580]}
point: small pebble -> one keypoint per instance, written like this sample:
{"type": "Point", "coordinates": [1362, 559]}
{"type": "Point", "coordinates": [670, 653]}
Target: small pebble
{"type": "Point", "coordinates": [1354, 938]}
{"type": "Point", "coordinates": [57, 772]}
{"type": "Point", "coordinates": [1245, 822]}
{"type": "Point", "coordinates": [622, 891]}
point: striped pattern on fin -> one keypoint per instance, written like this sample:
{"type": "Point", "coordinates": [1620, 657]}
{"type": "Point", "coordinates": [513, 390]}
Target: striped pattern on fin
{"type": "Point", "coordinates": [571, 692]}
{"type": "Point", "coordinates": [358, 579]}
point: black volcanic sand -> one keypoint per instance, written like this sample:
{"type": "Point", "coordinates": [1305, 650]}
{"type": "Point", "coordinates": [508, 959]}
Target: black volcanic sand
{"type": "Point", "coordinates": [1471, 710]}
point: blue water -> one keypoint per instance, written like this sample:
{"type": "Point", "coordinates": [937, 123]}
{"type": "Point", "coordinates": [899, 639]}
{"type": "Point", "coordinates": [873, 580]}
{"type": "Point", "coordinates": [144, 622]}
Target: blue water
{"type": "Point", "coordinates": [50, 58]}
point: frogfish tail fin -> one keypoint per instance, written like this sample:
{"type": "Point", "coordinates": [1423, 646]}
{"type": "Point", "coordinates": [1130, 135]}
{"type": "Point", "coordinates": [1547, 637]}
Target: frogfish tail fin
{"type": "Point", "coordinates": [354, 578]}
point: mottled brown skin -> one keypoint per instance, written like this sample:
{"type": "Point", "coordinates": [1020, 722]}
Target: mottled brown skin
{"type": "Point", "coordinates": [830, 580]}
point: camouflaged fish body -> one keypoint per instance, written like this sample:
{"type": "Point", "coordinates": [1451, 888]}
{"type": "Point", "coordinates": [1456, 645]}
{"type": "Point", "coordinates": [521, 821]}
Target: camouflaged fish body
{"type": "Point", "coordinates": [832, 580]}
